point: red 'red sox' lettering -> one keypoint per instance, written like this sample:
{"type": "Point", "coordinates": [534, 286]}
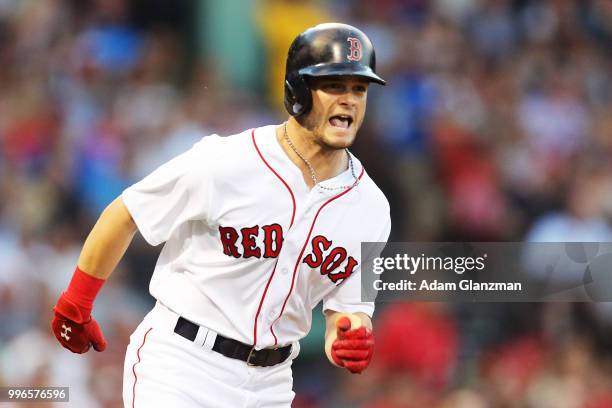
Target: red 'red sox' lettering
{"type": "Point", "coordinates": [319, 244]}
{"type": "Point", "coordinates": [248, 242]}
{"type": "Point", "coordinates": [229, 236]}
{"type": "Point", "coordinates": [243, 244]}
{"type": "Point", "coordinates": [273, 240]}
{"type": "Point", "coordinates": [331, 261]}
{"type": "Point", "coordinates": [231, 240]}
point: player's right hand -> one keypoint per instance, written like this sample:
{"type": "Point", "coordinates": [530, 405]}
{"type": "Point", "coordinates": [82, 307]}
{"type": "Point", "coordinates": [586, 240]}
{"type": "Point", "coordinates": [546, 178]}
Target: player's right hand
{"type": "Point", "coordinates": [74, 327]}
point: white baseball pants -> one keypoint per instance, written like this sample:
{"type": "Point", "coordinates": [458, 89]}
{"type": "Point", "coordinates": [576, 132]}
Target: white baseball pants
{"type": "Point", "coordinates": [164, 369]}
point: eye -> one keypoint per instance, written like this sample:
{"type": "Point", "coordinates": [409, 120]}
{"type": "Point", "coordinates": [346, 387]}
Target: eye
{"type": "Point", "coordinates": [333, 86]}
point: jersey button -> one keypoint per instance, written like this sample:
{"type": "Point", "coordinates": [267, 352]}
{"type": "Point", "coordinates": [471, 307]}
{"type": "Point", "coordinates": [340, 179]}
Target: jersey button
{"type": "Point", "coordinates": [284, 271]}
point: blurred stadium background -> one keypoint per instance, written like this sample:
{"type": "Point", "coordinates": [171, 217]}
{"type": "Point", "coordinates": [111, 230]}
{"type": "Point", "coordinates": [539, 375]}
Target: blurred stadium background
{"type": "Point", "coordinates": [496, 125]}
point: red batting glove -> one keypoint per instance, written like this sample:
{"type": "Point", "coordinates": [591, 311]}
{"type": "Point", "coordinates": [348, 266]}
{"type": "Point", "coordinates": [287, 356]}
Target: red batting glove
{"type": "Point", "coordinates": [353, 349]}
{"type": "Point", "coordinates": [72, 324]}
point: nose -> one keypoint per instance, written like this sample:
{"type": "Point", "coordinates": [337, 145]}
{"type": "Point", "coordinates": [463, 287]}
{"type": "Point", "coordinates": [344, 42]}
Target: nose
{"type": "Point", "coordinates": [348, 98]}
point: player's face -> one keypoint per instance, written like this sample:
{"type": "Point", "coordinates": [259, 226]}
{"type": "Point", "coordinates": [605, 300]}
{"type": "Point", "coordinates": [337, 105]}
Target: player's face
{"type": "Point", "coordinates": [338, 109]}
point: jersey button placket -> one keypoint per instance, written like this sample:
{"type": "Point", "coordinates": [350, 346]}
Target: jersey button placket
{"type": "Point", "coordinates": [312, 204]}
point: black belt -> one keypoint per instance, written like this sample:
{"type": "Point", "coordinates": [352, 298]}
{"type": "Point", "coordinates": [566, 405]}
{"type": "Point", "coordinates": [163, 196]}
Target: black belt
{"type": "Point", "coordinates": [235, 349]}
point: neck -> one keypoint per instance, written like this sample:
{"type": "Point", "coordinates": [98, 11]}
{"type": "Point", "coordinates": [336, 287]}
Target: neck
{"type": "Point", "coordinates": [326, 162]}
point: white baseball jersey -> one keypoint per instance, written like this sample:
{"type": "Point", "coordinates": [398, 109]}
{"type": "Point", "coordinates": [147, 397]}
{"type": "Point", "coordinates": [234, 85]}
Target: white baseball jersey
{"type": "Point", "coordinates": [249, 249]}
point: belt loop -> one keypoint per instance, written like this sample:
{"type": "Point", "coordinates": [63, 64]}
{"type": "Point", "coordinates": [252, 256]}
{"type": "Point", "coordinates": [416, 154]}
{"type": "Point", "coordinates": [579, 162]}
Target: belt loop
{"type": "Point", "coordinates": [203, 334]}
{"type": "Point", "coordinates": [209, 341]}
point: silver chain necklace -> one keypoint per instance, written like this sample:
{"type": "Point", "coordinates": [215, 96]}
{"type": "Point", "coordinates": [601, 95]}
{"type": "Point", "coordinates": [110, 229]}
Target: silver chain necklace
{"type": "Point", "coordinates": [311, 169]}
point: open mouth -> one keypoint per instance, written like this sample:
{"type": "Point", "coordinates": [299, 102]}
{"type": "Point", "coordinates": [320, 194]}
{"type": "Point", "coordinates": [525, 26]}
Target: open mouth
{"type": "Point", "coordinates": [341, 121]}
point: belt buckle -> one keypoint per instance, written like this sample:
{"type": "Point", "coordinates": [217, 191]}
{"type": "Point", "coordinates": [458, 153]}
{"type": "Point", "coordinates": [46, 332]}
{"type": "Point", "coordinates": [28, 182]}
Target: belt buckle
{"type": "Point", "coordinates": [251, 354]}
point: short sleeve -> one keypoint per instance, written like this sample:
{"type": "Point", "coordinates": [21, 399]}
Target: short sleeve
{"type": "Point", "coordinates": [346, 298]}
{"type": "Point", "coordinates": [178, 191]}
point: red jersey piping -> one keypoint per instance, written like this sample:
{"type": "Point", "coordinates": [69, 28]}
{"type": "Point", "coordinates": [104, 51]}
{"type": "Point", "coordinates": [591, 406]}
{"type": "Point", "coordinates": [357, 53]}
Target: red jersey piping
{"type": "Point", "coordinates": [297, 262]}
{"type": "Point", "coordinates": [263, 296]}
{"type": "Point", "coordinates": [134, 366]}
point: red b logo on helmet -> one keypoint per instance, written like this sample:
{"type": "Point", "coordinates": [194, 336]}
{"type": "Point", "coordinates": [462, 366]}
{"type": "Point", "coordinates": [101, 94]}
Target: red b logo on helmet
{"type": "Point", "coordinates": [354, 49]}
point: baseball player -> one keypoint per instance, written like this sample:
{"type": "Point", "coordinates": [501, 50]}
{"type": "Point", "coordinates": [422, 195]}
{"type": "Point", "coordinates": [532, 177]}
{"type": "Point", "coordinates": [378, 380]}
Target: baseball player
{"type": "Point", "coordinates": [258, 227]}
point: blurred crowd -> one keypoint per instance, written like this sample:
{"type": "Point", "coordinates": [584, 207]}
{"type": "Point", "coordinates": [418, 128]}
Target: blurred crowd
{"type": "Point", "coordinates": [496, 125]}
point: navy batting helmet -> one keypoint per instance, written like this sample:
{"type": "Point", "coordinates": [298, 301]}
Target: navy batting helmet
{"type": "Point", "coordinates": [326, 50]}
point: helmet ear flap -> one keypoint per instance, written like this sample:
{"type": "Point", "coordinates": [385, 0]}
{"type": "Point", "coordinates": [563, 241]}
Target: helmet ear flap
{"type": "Point", "coordinates": [298, 99]}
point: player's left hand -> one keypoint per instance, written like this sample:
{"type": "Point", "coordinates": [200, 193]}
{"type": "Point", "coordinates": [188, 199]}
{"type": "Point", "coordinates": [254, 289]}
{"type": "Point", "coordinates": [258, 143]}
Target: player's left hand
{"type": "Point", "coordinates": [352, 349]}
